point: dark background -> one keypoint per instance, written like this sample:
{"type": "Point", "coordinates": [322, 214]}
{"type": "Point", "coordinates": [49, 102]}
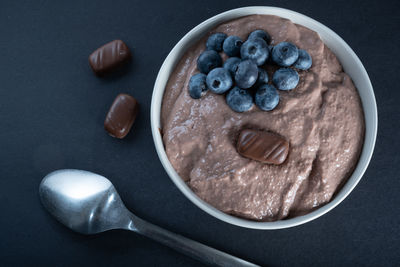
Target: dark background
{"type": "Point", "coordinates": [52, 109]}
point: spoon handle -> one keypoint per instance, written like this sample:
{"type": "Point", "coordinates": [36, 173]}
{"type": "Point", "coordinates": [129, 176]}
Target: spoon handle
{"type": "Point", "coordinates": [186, 246]}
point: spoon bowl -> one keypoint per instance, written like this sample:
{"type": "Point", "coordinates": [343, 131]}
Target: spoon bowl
{"type": "Point", "coordinates": [83, 201]}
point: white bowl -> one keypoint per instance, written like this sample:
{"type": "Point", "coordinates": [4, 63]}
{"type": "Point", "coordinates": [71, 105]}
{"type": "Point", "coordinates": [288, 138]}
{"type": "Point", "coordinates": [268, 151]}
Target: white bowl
{"type": "Point", "coordinates": [352, 66]}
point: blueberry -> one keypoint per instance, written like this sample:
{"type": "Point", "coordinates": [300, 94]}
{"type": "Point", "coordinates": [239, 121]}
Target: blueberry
{"type": "Point", "coordinates": [304, 61]}
{"type": "Point", "coordinates": [215, 41]}
{"type": "Point", "coordinates": [269, 60]}
{"type": "Point", "coordinates": [246, 74]}
{"type": "Point", "coordinates": [231, 64]}
{"type": "Point", "coordinates": [267, 97]}
{"type": "Point", "coordinates": [239, 100]}
{"type": "Point", "coordinates": [285, 79]}
{"type": "Point", "coordinates": [232, 46]}
{"type": "Point", "coordinates": [270, 47]}
{"type": "Point", "coordinates": [262, 77]}
{"type": "Point", "coordinates": [285, 54]}
{"type": "Point", "coordinates": [255, 49]}
{"type": "Point", "coordinates": [219, 80]}
{"type": "Point", "coordinates": [208, 60]}
{"type": "Point", "coordinates": [197, 85]}
{"type": "Point", "coordinates": [260, 34]}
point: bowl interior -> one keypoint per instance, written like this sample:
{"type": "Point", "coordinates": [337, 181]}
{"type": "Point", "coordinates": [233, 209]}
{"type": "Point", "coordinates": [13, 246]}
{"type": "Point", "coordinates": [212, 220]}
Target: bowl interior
{"type": "Point", "coordinates": [352, 66]}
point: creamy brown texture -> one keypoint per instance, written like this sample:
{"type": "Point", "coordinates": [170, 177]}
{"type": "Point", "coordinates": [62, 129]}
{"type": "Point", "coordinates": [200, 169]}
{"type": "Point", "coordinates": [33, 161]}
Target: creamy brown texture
{"type": "Point", "coordinates": [322, 118]}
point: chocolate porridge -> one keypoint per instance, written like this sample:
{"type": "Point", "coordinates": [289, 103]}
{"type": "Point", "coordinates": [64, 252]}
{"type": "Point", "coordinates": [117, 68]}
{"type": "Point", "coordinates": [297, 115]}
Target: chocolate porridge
{"type": "Point", "coordinates": [322, 118]}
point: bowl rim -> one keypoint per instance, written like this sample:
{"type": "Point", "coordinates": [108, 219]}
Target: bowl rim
{"type": "Point", "coordinates": [155, 114]}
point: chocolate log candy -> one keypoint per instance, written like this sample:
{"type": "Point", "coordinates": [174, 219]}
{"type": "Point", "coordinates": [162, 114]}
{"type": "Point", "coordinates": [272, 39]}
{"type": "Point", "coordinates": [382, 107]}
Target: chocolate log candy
{"type": "Point", "coordinates": [263, 146]}
{"type": "Point", "coordinates": [109, 57]}
{"type": "Point", "coordinates": [121, 116]}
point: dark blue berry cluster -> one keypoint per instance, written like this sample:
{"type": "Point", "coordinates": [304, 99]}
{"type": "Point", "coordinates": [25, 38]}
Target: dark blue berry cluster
{"type": "Point", "coordinates": [241, 76]}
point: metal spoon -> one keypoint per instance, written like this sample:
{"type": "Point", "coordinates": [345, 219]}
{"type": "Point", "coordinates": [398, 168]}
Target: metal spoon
{"type": "Point", "coordinates": [88, 203]}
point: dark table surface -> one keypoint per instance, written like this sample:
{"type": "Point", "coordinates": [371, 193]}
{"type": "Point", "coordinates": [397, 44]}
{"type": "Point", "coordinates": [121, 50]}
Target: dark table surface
{"type": "Point", "coordinates": [52, 109]}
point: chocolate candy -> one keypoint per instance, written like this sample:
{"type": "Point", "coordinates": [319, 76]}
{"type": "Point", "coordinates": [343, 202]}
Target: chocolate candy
{"type": "Point", "coordinates": [263, 146]}
{"type": "Point", "coordinates": [121, 116]}
{"type": "Point", "coordinates": [109, 57]}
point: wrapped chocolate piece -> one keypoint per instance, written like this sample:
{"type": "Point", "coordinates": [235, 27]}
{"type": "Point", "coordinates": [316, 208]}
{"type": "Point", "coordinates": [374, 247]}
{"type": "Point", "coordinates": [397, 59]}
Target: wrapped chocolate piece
{"type": "Point", "coordinates": [109, 57]}
{"type": "Point", "coordinates": [121, 116]}
{"type": "Point", "coordinates": [263, 146]}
